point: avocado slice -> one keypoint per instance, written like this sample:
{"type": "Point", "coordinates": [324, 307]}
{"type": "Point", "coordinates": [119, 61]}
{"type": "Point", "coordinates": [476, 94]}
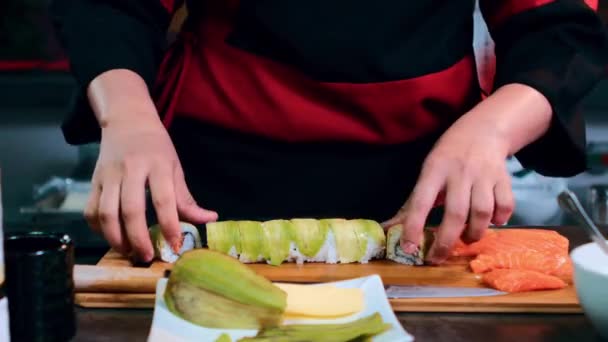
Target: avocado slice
{"type": "Point", "coordinates": [224, 237]}
{"type": "Point", "coordinates": [278, 238]}
{"type": "Point", "coordinates": [347, 241]}
{"type": "Point", "coordinates": [252, 238]}
{"type": "Point", "coordinates": [309, 236]}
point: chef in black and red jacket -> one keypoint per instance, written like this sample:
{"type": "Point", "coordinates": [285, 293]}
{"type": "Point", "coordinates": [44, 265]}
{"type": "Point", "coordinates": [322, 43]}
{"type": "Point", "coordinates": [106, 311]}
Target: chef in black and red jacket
{"type": "Point", "coordinates": [312, 108]}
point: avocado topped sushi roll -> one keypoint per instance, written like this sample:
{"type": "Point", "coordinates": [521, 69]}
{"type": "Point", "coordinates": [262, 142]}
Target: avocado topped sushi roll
{"type": "Point", "coordinates": [298, 240]}
{"type": "Point", "coordinates": [251, 235]}
{"type": "Point", "coordinates": [278, 235]}
{"type": "Point", "coordinates": [224, 237]}
{"type": "Point", "coordinates": [312, 242]}
{"type": "Point", "coordinates": [371, 238]}
{"type": "Point", "coordinates": [191, 239]}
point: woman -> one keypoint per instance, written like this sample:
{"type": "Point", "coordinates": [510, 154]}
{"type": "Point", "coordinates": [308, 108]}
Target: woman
{"type": "Point", "coordinates": [278, 109]}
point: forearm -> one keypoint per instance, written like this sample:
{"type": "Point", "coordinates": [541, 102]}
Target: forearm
{"type": "Point", "coordinates": [121, 96]}
{"type": "Point", "coordinates": [560, 49]}
{"type": "Point", "coordinates": [103, 39]}
{"type": "Point", "coordinates": [520, 114]}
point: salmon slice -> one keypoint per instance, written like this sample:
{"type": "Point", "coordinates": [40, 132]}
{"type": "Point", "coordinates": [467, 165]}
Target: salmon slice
{"type": "Point", "coordinates": [517, 260]}
{"type": "Point", "coordinates": [463, 249]}
{"type": "Point", "coordinates": [509, 280]}
{"type": "Point", "coordinates": [514, 241]}
{"type": "Point", "coordinates": [548, 263]}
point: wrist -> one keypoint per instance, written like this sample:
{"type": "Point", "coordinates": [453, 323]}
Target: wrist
{"type": "Point", "coordinates": [132, 115]}
{"type": "Point", "coordinates": [517, 114]}
{"type": "Point", "coordinates": [120, 97]}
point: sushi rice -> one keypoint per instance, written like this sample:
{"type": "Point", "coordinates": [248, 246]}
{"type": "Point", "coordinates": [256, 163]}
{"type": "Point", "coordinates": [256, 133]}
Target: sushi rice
{"type": "Point", "coordinates": [327, 253]}
{"type": "Point", "coordinates": [395, 252]}
{"type": "Point", "coordinates": [162, 250]}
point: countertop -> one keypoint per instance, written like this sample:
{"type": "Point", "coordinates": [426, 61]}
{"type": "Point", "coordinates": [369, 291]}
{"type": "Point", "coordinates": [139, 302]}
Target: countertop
{"type": "Point", "coordinates": [101, 325]}
{"type": "Point", "coordinates": [133, 324]}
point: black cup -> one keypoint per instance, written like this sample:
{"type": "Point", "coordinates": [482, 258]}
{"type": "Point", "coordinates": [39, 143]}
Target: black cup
{"type": "Point", "coordinates": [40, 286]}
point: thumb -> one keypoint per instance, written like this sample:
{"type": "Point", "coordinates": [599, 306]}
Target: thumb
{"type": "Point", "coordinates": [409, 233]}
{"type": "Point", "coordinates": [395, 220]}
{"type": "Point", "coordinates": [187, 207]}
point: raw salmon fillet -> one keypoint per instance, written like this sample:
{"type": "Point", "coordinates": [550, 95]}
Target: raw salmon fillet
{"type": "Point", "coordinates": [512, 280]}
{"type": "Point", "coordinates": [514, 240]}
{"type": "Point", "coordinates": [552, 264]}
{"type": "Point", "coordinates": [516, 260]}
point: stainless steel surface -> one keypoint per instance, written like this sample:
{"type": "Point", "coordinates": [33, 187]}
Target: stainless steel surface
{"type": "Point", "coordinates": [414, 291]}
{"type": "Point", "coordinates": [569, 202]}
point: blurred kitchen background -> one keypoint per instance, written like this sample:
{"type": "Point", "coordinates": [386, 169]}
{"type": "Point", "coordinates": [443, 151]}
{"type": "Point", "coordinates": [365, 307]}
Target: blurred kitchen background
{"type": "Point", "coordinates": [45, 181]}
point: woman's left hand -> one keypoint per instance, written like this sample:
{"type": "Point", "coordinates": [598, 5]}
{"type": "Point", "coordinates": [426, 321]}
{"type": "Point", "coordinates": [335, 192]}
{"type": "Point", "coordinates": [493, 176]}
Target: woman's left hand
{"type": "Point", "coordinates": [466, 172]}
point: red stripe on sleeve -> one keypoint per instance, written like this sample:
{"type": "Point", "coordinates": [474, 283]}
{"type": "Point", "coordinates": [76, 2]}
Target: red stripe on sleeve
{"type": "Point", "coordinates": [25, 65]}
{"type": "Point", "coordinates": [168, 4]}
{"type": "Point", "coordinates": [497, 12]}
{"type": "Point", "coordinates": [593, 4]}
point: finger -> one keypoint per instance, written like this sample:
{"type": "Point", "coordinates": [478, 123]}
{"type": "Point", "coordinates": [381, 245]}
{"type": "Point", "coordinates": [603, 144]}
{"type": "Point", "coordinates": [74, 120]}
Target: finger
{"type": "Point", "coordinates": [186, 204]}
{"type": "Point", "coordinates": [417, 208]}
{"type": "Point", "coordinates": [482, 209]}
{"type": "Point", "coordinates": [109, 202]}
{"type": "Point", "coordinates": [428, 176]}
{"type": "Point", "coordinates": [133, 209]}
{"type": "Point", "coordinates": [398, 217]}
{"type": "Point", "coordinates": [163, 199]}
{"type": "Point", "coordinates": [504, 202]}
{"type": "Point", "coordinates": [457, 203]}
{"type": "Point", "coordinates": [91, 210]}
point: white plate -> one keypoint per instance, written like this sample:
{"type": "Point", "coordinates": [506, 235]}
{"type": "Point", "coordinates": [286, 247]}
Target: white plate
{"type": "Point", "coordinates": [168, 327]}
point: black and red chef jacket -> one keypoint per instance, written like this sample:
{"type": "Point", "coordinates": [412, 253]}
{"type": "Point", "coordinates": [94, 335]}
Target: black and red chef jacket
{"type": "Point", "coordinates": [377, 74]}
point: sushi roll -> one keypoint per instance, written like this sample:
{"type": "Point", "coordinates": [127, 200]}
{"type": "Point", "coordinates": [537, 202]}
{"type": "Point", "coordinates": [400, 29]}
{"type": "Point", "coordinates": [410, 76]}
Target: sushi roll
{"type": "Point", "coordinates": [252, 242]}
{"type": "Point", "coordinates": [312, 241]}
{"type": "Point", "coordinates": [224, 237]}
{"type": "Point", "coordinates": [298, 240]}
{"type": "Point", "coordinates": [191, 239]}
{"type": "Point", "coordinates": [371, 239]}
{"type": "Point", "coordinates": [278, 239]}
{"type": "Point", "coordinates": [395, 253]}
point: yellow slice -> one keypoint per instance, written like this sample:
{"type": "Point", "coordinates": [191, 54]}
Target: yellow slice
{"type": "Point", "coordinates": [321, 301]}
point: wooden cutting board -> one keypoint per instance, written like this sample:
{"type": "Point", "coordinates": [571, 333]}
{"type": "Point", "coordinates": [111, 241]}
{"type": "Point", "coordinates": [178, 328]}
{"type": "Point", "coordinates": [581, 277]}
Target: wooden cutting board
{"type": "Point", "coordinates": [115, 283]}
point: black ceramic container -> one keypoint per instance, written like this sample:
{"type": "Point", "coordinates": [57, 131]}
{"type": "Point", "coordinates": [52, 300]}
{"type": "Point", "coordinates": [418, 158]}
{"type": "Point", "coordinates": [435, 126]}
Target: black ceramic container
{"type": "Point", "coordinates": [40, 287]}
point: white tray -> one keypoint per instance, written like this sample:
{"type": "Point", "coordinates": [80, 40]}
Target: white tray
{"type": "Point", "coordinates": [168, 327]}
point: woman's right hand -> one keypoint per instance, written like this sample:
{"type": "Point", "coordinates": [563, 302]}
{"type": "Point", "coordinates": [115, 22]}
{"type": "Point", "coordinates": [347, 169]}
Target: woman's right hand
{"type": "Point", "coordinates": [136, 151]}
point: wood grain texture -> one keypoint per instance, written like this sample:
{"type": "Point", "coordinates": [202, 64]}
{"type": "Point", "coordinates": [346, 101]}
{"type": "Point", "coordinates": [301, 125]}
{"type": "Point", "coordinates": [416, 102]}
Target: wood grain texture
{"type": "Point", "coordinates": [112, 287]}
{"type": "Point", "coordinates": [115, 300]}
{"type": "Point", "coordinates": [539, 302]}
{"type": "Point", "coordinates": [115, 279]}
